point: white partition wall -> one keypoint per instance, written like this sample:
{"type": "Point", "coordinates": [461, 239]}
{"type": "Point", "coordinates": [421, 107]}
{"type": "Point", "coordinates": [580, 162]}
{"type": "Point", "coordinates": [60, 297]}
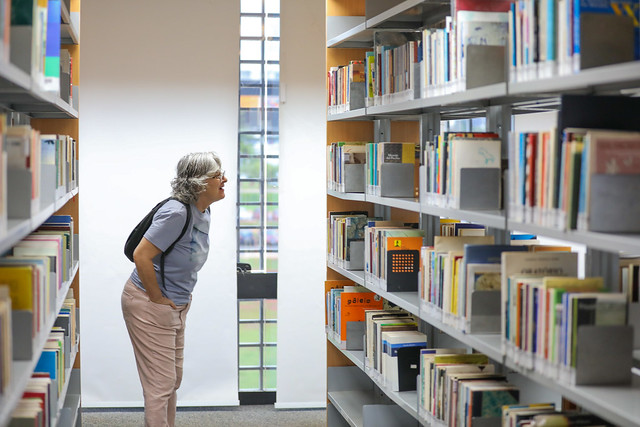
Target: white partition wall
{"type": "Point", "coordinates": [159, 80]}
{"type": "Point", "coordinates": [301, 341]}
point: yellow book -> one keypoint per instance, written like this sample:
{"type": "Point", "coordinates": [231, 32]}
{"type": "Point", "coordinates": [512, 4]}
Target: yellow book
{"type": "Point", "coordinates": [20, 282]}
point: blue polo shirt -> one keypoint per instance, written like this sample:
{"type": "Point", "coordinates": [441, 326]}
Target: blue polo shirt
{"type": "Point", "coordinates": [182, 264]}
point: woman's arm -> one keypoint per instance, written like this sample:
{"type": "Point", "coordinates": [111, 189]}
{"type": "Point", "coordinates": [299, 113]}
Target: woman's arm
{"type": "Point", "coordinates": [143, 258]}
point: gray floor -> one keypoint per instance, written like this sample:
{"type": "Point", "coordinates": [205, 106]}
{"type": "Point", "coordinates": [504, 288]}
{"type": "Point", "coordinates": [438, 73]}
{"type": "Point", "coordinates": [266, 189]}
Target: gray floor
{"type": "Point", "coordinates": [247, 415]}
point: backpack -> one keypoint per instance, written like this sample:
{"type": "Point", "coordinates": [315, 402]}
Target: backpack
{"type": "Point", "coordinates": [138, 232]}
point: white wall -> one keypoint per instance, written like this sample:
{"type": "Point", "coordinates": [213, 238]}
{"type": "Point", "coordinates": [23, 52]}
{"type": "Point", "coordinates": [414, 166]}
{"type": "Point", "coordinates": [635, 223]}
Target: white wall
{"type": "Point", "coordinates": [302, 260]}
{"type": "Point", "coordinates": [159, 79]}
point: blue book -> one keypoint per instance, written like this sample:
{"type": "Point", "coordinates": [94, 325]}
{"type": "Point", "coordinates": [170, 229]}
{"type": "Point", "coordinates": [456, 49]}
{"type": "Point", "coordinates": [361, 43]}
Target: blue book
{"type": "Point", "coordinates": [52, 48]}
{"type": "Point", "coordinates": [48, 363]}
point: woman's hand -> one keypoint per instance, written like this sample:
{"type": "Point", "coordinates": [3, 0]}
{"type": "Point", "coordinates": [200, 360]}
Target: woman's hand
{"type": "Point", "coordinates": [143, 258]}
{"type": "Point", "coordinates": [162, 300]}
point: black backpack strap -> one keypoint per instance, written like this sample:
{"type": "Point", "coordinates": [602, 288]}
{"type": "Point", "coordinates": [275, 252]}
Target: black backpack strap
{"type": "Point", "coordinates": [170, 248]}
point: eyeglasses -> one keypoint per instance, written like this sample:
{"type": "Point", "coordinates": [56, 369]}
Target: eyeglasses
{"type": "Point", "coordinates": [218, 175]}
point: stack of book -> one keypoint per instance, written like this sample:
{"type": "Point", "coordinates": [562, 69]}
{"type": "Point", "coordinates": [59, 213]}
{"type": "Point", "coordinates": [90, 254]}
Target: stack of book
{"type": "Point", "coordinates": [346, 87]}
{"type": "Point", "coordinates": [571, 182]}
{"type": "Point", "coordinates": [456, 388]}
{"type": "Point", "coordinates": [463, 170]}
{"type": "Point", "coordinates": [346, 166]}
{"type": "Point", "coordinates": [391, 169]}
{"type": "Point", "coordinates": [550, 38]}
{"type": "Point", "coordinates": [392, 255]}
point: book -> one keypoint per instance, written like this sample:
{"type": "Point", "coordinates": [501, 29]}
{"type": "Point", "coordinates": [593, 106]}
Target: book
{"type": "Point", "coordinates": [470, 153]}
{"type": "Point", "coordinates": [353, 306]}
{"type": "Point", "coordinates": [52, 48]}
{"type": "Point", "coordinates": [516, 265]}
{"type": "Point", "coordinates": [605, 152]}
{"type": "Point", "coordinates": [401, 350]}
{"type": "Point", "coordinates": [481, 273]}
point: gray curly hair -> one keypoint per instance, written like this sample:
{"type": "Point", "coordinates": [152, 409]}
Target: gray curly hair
{"type": "Point", "coordinates": [192, 172]}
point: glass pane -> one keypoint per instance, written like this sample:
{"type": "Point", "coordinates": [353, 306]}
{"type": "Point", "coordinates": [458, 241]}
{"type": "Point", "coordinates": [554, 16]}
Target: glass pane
{"type": "Point", "coordinates": [251, 258]}
{"type": "Point", "coordinates": [250, 50]}
{"type": "Point", "coordinates": [249, 379]}
{"type": "Point", "coordinates": [272, 27]}
{"type": "Point", "coordinates": [272, 192]}
{"type": "Point", "coordinates": [249, 239]}
{"type": "Point", "coordinates": [272, 216]}
{"type": "Point", "coordinates": [271, 50]}
{"type": "Point", "coordinates": [249, 333]}
{"type": "Point", "coordinates": [249, 310]}
{"type": "Point", "coordinates": [270, 332]}
{"type": "Point", "coordinates": [250, 97]}
{"type": "Point", "coordinates": [250, 168]}
{"type": "Point", "coordinates": [272, 73]}
{"type": "Point", "coordinates": [251, 6]}
{"type": "Point", "coordinates": [250, 26]}
{"type": "Point", "coordinates": [273, 97]}
{"type": "Point", "coordinates": [269, 379]}
{"type": "Point", "coordinates": [273, 120]}
{"type": "Point", "coordinates": [250, 144]}
{"type": "Point", "coordinates": [269, 356]}
{"type": "Point", "coordinates": [273, 145]}
{"type": "Point", "coordinates": [273, 167]}
{"type": "Point", "coordinates": [479, 124]}
{"type": "Point", "coordinates": [250, 192]}
{"type": "Point", "coordinates": [272, 6]}
{"type": "Point", "coordinates": [250, 120]}
{"type": "Point", "coordinates": [272, 237]}
{"type": "Point", "coordinates": [272, 262]}
{"type": "Point", "coordinates": [270, 309]}
{"type": "Point", "coordinates": [250, 73]}
{"type": "Point", "coordinates": [248, 356]}
{"type": "Point", "coordinates": [249, 215]}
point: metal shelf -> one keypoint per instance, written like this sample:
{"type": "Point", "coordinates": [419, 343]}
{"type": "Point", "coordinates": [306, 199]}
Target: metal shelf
{"type": "Point", "coordinates": [17, 229]}
{"type": "Point", "coordinates": [358, 197]}
{"type": "Point", "coordinates": [411, 14]}
{"type": "Point", "coordinates": [18, 92]}
{"type": "Point", "coordinates": [359, 114]}
{"type": "Point", "coordinates": [348, 32]}
{"type": "Point", "coordinates": [618, 404]}
{"type": "Point", "coordinates": [407, 400]}
{"type": "Point", "coordinates": [69, 33]}
{"type": "Point", "coordinates": [600, 79]}
{"type": "Point", "coordinates": [21, 370]}
{"type": "Point", "coordinates": [406, 204]}
{"type": "Point", "coordinates": [628, 243]}
{"type": "Point", "coordinates": [355, 275]}
{"type": "Point", "coordinates": [349, 404]}
{"type": "Point", "coordinates": [494, 219]}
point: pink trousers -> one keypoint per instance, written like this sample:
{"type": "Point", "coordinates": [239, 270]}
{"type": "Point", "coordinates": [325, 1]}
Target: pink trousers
{"type": "Point", "coordinates": [157, 335]}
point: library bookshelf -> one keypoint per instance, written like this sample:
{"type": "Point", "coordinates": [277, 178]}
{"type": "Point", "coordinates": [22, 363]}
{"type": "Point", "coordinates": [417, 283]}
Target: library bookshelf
{"type": "Point", "coordinates": [357, 398]}
{"type": "Point", "coordinates": [25, 102]}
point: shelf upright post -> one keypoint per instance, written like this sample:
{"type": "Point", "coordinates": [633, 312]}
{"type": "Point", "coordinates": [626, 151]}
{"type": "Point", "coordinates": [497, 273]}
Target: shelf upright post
{"type": "Point", "coordinates": [381, 130]}
{"type": "Point", "coordinates": [429, 130]}
{"type": "Point", "coordinates": [499, 119]}
{"type": "Point", "coordinates": [603, 264]}
{"type": "Point", "coordinates": [382, 133]}
{"type": "Point", "coordinates": [18, 119]}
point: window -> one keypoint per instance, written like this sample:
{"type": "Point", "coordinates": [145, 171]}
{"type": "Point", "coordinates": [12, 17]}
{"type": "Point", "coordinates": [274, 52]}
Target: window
{"type": "Point", "coordinates": [257, 335]}
{"type": "Point", "coordinates": [258, 134]}
{"type": "Point", "coordinates": [257, 211]}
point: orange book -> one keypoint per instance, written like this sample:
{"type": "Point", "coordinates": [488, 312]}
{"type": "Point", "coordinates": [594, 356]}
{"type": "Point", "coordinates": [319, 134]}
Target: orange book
{"type": "Point", "coordinates": [353, 306]}
{"type": "Point", "coordinates": [333, 284]}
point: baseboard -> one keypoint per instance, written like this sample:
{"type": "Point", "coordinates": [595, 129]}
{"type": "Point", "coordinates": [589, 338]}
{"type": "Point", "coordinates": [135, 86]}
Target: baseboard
{"type": "Point", "coordinates": [140, 404]}
{"type": "Point", "coordinates": [300, 405]}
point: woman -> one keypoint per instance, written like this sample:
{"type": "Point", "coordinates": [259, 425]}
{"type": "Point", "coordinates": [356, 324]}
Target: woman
{"type": "Point", "coordinates": [154, 313]}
